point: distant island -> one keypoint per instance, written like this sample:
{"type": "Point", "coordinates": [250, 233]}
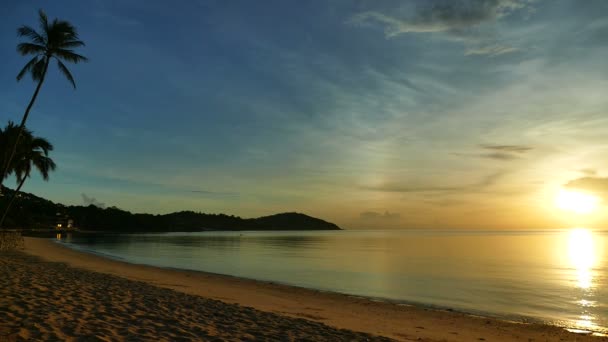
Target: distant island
{"type": "Point", "coordinates": [33, 212]}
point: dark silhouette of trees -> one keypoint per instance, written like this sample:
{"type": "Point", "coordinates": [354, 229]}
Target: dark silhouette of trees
{"type": "Point", "coordinates": [55, 40]}
{"type": "Point", "coordinates": [35, 212]}
{"type": "Point", "coordinates": [8, 135]}
{"type": "Point", "coordinates": [32, 153]}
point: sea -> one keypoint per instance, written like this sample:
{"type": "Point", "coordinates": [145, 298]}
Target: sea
{"type": "Point", "coordinates": [557, 277]}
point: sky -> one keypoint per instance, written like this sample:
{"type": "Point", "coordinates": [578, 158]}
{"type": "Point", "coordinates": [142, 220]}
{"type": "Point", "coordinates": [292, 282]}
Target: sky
{"type": "Point", "coordinates": [366, 113]}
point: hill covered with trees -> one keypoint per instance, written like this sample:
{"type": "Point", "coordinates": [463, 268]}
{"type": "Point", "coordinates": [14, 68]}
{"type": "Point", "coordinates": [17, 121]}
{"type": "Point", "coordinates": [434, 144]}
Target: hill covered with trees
{"type": "Point", "coordinates": [33, 212]}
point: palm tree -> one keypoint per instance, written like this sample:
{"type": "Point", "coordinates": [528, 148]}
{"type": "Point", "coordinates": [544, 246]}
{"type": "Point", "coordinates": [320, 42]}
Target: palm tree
{"type": "Point", "coordinates": [55, 40]}
{"type": "Point", "coordinates": [8, 135]}
{"type": "Point", "coordinates": [33, 152]}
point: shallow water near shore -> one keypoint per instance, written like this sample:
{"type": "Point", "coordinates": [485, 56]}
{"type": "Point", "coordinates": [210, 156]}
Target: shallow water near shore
{"type": "Point", "coordinates": [558, 277]}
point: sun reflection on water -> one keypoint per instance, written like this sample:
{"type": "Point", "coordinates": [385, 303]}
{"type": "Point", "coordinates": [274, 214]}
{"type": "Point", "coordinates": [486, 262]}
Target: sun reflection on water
{"type": "Point", "coordinates": [583, 258]}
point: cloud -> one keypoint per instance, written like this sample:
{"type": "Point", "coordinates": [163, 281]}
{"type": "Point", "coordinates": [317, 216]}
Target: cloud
{"type": "Point", "coordinates": [442, 16]}
{"type": "Point", "coordinates": [498, 156]}
{"type": "Point", "coordinates": [508, 148]}
{"type": "Point", "coordinates": [588, 172]}
{"type": "Point", "coordinates": [91, 201]}
{"type": "Point", "coordinates": [376, 215]}
{"type": "Point", "coordinates": [499, 152]}
{"type": "Point", "coordinates": [504, 152]}
{"type": "Point", "coordinates": [485, 182]}
{"type": "Point", "coordinates": [456, 17]}
{"type": "Point", "coordinates": [595, 185]}
{"type": "Point", "coordinates": [490, 50]}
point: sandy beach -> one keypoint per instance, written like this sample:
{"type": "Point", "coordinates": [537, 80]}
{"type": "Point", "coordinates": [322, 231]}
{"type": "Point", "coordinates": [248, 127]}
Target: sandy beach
{"type": "Point", "coordinates": [53, 292]}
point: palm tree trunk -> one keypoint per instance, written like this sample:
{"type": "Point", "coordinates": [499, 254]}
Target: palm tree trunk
{"type": "Point", "coordinates": [7, 162]}
{"type": "Point", "coordinates": [10, 203]}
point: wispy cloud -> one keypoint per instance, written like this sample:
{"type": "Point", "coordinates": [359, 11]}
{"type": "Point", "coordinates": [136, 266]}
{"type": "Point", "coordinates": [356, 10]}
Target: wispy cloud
{"type": "Point", "coordinates": [442, 16]}
{"type": "Point", "coordinates": [588, 172]}
{"type": "Point", "coordinates": [457, 17]}
{"type": "Point", "coordinates": [484, 183]}
{"type": "Point", "coordinates": [374, 215]}
{"type": "Point", "coordinates": [490, 50]}
{"type": "Point", "coordinates": [498, 156]}
{"type": "Point", "coordinates": [595, 185]}
{"type": "Point", "coordinates": [508, 148]}
{"type": "Point", "coordinates": [499, 152]}
{"type": "Point", "coordinates": [504, 152]}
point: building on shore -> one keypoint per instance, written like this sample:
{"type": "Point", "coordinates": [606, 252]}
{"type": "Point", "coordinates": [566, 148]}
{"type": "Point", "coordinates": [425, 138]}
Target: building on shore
{"type": "Point", "coordinates": [64, 222]}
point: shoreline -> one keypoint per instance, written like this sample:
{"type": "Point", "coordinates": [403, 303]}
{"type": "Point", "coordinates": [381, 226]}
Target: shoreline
{"type": "Point", "coordinates": [513, 318]}
{"type": "Point", "coordinates": [51, 301]}
{"type": "Point", "coordinates": [381, 318]}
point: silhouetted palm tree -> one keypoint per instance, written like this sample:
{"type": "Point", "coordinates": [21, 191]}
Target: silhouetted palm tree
{"type": "Point", "coordinates": [8, 135]}
{"type": "Point", "coordinates": [56, 39]}
{"type": "Point", "coordinates": [33, 152]}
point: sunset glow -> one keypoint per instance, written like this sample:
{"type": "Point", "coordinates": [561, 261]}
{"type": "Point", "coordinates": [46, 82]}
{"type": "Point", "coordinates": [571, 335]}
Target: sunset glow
{"type": "Point", "coordinates": [577, 202]}
{"type": "Point", "coordinates": [274, 169]}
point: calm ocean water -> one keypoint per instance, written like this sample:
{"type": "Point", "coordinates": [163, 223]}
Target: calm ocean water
{"type": "Point", "coordinates": [558, 277]}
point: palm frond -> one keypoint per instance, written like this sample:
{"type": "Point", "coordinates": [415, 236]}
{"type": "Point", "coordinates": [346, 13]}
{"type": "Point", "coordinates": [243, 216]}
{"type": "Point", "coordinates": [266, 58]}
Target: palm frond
{"type": "Point", "coordinates": [64, 70]}
{"type": "Point", "coordinates": [38, 69]}
{"type": "Point", "coordinates": [44, 21]}
{"type": "Point", "coordinates": [42, 144]}
{"type": "Point", "coordinates": [22, 169]}
{"type": "Point", "coordinates": [8, 135]}
{"type": "Point", "coordinates": [44, 165]}
{"type": "Point", "coordinates": [32, 152]}
{"type": "Point", "coordinates": [20, 175]}
{"type": "Point", "coordinates": [69, 55]}
{"type": "Point", "coordinates": [71, 44]}
{"type": "Point", "coordinates": [68, 30]}
{"type": "Point", "coordinates": [27, 68]}
{"type": "Point", "coordinates": [30, 49]}
{"type": "Point", "coordinates": [57, 38]}
{"type": "Point", "coordinates": [26, 31]}
{"type": "Point", "coordinates": [61, 30]}
{"type": "Point", "coordinates": [11, 130]}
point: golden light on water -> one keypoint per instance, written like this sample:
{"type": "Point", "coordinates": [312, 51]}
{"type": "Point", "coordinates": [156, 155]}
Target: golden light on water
{"type": "Point", "coordinates": [582, 256]}
{"type": "Point", "coordinates": [576, 201]}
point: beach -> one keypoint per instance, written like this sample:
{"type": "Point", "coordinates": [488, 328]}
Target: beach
{"type": "Point", "coordinates": [53, 292]}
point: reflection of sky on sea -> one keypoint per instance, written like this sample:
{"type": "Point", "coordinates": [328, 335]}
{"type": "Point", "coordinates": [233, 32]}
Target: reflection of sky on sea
{"type": "Point", "coordinates": [554, 276]}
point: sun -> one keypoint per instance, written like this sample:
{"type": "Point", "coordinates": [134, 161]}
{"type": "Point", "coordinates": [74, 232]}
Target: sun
{"type": "Point", "coordinates": [576, 201]}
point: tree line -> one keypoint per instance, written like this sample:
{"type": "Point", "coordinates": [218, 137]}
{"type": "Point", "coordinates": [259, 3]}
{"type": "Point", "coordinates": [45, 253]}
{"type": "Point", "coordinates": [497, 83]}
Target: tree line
{"type": "Point", "coordinates": [33, 212]}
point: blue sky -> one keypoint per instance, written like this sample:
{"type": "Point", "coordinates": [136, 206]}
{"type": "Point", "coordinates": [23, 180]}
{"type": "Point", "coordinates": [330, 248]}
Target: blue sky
{"type": "Point", "coordinates": [366, 113]}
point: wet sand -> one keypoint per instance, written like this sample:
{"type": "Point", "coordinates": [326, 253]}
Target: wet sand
{"type": "Point", "coordinates": [55, 292]}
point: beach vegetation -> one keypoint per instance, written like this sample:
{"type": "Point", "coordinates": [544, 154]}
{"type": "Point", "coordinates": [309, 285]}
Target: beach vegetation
{"type": "Point", "coordinates": [32, 155]}
{"type": "Point", "coordinates": [55, 40]}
